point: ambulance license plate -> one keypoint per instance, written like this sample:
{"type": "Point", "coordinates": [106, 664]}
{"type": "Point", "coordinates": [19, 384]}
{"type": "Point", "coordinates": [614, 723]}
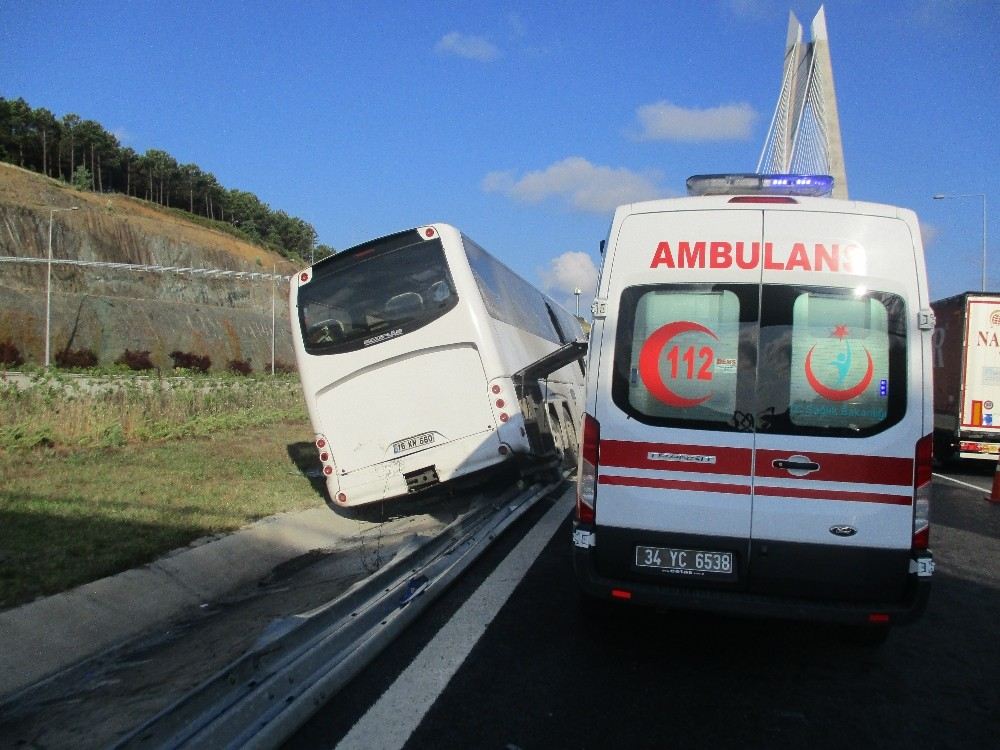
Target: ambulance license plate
{"type": "Point", "coordinates": [687, 562]}
{"type": "Point", "coordinates": [417, 441]}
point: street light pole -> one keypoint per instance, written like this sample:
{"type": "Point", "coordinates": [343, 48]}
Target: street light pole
{"type": "Point", "coordinates": [48, 282]}
{"type": "Point", "coordinates": [982, 196]}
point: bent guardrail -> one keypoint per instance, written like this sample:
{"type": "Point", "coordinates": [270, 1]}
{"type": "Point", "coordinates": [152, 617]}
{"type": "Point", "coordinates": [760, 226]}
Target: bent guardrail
{"type": "Point", "coordinates": [302, 661]}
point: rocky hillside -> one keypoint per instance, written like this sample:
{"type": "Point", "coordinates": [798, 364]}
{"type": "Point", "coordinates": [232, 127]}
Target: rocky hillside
{"type": "Point", "coordinates": [109, 310]}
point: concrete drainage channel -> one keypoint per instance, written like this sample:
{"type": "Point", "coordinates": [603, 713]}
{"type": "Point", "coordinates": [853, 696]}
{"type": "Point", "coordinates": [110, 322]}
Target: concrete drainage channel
{"type": "Point", "coordinates": [301, 662]}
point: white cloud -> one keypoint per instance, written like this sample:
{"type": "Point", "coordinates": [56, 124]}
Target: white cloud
{"type": "Point", "coordinates": [517, 25]}
{"type": "Point", "coordinates": [664, 121]}
{"type": "Point", "coordinates": [470, 47]}
{"type": "Point", "coordinates": [582, 185]}
{"type": "Point", "coordinates": [571, 271]}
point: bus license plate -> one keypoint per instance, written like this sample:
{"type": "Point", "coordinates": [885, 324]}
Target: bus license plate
{"type": "Point", "coordinates": [686, 562]}
{"type": "Point", "coordinates": [418, 441]}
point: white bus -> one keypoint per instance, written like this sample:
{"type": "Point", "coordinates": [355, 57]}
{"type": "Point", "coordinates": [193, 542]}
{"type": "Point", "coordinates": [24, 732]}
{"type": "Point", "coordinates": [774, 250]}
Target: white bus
{"type": "Point", "coordinates": [407, 347]}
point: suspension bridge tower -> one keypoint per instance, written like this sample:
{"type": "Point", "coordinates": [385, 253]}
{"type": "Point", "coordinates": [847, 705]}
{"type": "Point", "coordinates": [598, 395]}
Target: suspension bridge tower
{"type": "Point", "coordinates": [804, 136]}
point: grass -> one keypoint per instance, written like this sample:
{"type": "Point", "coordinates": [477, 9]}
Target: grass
{"type": "Point", "coordinates": [70, 517]}
{"type": "Point", "coordinates": [101, 474]}
{"type": "Point", "coordinates": [62, 411]}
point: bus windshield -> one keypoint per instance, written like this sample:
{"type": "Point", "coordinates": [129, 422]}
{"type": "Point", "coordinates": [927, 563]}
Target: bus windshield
{"type": "Point", "coordinates": [374, 293]}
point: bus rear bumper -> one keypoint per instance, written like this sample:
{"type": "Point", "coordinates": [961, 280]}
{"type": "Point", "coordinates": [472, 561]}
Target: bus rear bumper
{"type": "Point", "coordinates": [416, 472]}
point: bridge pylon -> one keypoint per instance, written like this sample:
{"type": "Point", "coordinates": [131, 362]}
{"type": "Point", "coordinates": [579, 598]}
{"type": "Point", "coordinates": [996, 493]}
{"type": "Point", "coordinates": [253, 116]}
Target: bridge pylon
{"type": "Point", "coordinates": [804, 136]}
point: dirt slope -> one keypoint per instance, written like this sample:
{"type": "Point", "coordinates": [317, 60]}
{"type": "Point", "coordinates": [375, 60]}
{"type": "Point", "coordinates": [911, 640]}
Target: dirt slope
{"type": "Point", "coordinates": [110, 310]}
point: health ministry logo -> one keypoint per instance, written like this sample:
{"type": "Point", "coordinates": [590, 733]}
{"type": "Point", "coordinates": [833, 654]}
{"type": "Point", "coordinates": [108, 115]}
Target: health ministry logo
{"type": "Point", "coordinates": [841, 365]}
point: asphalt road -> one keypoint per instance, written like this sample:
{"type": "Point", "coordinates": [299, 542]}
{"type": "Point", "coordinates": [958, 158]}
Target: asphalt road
{"type": "Point", "coordinates": [506, 659]}
{"type": "Point", "coordinates": [544, 675]}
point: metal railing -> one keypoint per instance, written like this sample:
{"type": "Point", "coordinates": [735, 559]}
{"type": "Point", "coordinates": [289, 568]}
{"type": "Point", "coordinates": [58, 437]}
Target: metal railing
{"type": "Point", "coordinates": [300, 664]}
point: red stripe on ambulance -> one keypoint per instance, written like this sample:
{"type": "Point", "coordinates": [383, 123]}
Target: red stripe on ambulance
{"type": "Point", "coordinates": [841, 467]}
{"type": "Point", "coordinates": [674, 484]}
{"type": "Point", "coordinates": [801, 493]}
{"type": "Point", "coordinates": [701, 459]}
{"type": "Point", "coordinates": [709, 459]}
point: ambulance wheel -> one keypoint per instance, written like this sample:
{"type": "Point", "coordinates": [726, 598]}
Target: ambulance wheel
{"type": "Point", "coordinates": [868, 636]}
{"type": "Point", "coordinates": [594, 608]}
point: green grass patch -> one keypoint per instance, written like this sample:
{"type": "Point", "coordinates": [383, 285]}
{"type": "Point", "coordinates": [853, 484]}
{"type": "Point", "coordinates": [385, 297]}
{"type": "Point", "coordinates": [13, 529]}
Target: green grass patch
{"type": "Point", "coordinates": [68, 517]}
{"type": "Point", "coordinates": [58, 410]}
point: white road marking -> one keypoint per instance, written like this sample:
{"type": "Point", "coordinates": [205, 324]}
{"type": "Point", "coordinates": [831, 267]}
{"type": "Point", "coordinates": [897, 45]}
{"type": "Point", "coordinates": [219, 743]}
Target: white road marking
{"type": "Point", "coordinates": [975, 487]}
{"type": "Point", "coordinates": [394, 717]}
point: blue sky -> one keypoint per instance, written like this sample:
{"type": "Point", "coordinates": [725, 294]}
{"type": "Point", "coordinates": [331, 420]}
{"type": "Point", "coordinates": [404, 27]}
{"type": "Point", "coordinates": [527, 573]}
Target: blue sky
{"type": "Point", "coordinates": [522, 123]}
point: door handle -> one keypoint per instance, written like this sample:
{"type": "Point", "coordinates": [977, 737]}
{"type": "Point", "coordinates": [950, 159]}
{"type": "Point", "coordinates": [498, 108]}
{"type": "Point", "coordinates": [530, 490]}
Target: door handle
{"type": "Point", "coordinates": [795, 464]}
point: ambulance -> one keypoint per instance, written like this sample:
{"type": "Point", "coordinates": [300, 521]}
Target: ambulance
{"type": "Point", "coordinates": [758, 430]}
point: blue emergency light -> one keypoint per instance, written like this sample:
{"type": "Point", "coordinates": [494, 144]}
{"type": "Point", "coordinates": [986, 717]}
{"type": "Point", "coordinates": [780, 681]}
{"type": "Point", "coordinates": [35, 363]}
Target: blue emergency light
{"type": "Point", "coordinates": [815, 185]}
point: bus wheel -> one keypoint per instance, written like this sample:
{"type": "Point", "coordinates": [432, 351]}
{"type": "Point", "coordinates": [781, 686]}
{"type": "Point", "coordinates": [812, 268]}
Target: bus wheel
{"type": "Point", "coordinates": [569, 440]}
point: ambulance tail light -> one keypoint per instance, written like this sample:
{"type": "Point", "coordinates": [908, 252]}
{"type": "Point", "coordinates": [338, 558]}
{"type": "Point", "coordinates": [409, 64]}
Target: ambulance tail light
{"type": "Point", "coordinates": [922, 493]}
{"type": "Point", "coordinates": [586, 482]}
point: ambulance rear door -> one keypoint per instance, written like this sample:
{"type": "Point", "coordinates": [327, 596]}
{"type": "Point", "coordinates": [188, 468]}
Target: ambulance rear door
{"type": "Point", "coordinates": [838, 406]}
{"type": "Point", "coordinates": [676, 435]}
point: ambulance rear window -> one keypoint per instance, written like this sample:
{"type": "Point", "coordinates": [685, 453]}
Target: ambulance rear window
{"type": "Point", "coordinates": [779, 359]}
{"type": "Point", "coordinates": [683, 354]}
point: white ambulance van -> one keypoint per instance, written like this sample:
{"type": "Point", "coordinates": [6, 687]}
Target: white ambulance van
{"type": "Point", "coordinates": [758, 433]}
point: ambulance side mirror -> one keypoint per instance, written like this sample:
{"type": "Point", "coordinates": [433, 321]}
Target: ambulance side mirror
{"type": "Point", "coordinates": [603, 243]}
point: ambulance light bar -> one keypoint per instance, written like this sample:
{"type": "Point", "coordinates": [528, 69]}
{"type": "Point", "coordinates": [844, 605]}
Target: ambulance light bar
{"type": "Point", "coordinates": [815, 185]}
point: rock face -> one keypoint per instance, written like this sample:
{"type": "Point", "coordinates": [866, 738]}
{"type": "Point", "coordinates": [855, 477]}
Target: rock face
{"type": "Point", "coordinates": [109, 310]}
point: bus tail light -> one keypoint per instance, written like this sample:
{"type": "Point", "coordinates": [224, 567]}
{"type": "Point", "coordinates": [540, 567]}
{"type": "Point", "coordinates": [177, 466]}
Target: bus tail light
{"type": "Point", "coordinates": [922, 492]}
{"type": "Point", "coordinates": [325, 457]}
{"type": "Point", "coordinates": [500, 401]}
{"type": "Point", "coordinates": [586, 483]}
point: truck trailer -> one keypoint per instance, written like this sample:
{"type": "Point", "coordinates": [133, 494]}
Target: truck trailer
{"type": "Point", "coordinates": [966, 345]}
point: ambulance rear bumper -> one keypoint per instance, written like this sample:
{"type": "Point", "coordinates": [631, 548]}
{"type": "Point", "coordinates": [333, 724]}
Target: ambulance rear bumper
{"type": "Point", "coordinates": [743, 603]}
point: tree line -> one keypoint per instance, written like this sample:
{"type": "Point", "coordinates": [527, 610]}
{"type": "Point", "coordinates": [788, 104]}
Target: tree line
{"type": "Point", "coordinates": [84, 154]}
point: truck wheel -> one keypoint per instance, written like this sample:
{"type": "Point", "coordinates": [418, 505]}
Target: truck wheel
{"type": "Point", "coordinates": [944, 450]}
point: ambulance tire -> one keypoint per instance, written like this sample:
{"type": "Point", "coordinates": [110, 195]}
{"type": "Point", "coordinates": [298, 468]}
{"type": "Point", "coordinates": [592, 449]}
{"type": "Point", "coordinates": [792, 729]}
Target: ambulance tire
{"type": "Point", "coordinates": [866, 636]}
{"type": "Point", "coordinates": [595, 609]}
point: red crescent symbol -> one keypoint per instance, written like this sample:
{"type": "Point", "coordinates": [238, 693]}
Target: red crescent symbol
{"type": "Point", "coordinates": [834, 394]}
{"type": "Point", "coordinates": [649, 362]}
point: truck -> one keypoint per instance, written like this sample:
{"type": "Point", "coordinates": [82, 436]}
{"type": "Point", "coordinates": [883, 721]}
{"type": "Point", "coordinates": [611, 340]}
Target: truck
{"type": "Point", "coordinates": [966, 349]}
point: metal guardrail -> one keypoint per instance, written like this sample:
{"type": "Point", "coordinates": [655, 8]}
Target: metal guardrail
{"type": "Point", "coordinates": [301, 662]}
{"type": "Point", "coordinates": [146, 267]}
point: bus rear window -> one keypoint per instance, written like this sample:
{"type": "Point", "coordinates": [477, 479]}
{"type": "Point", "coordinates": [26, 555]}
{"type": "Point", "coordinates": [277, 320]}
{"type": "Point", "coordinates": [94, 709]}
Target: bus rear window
{"type": "Point", "coordinates": [374, 293]}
